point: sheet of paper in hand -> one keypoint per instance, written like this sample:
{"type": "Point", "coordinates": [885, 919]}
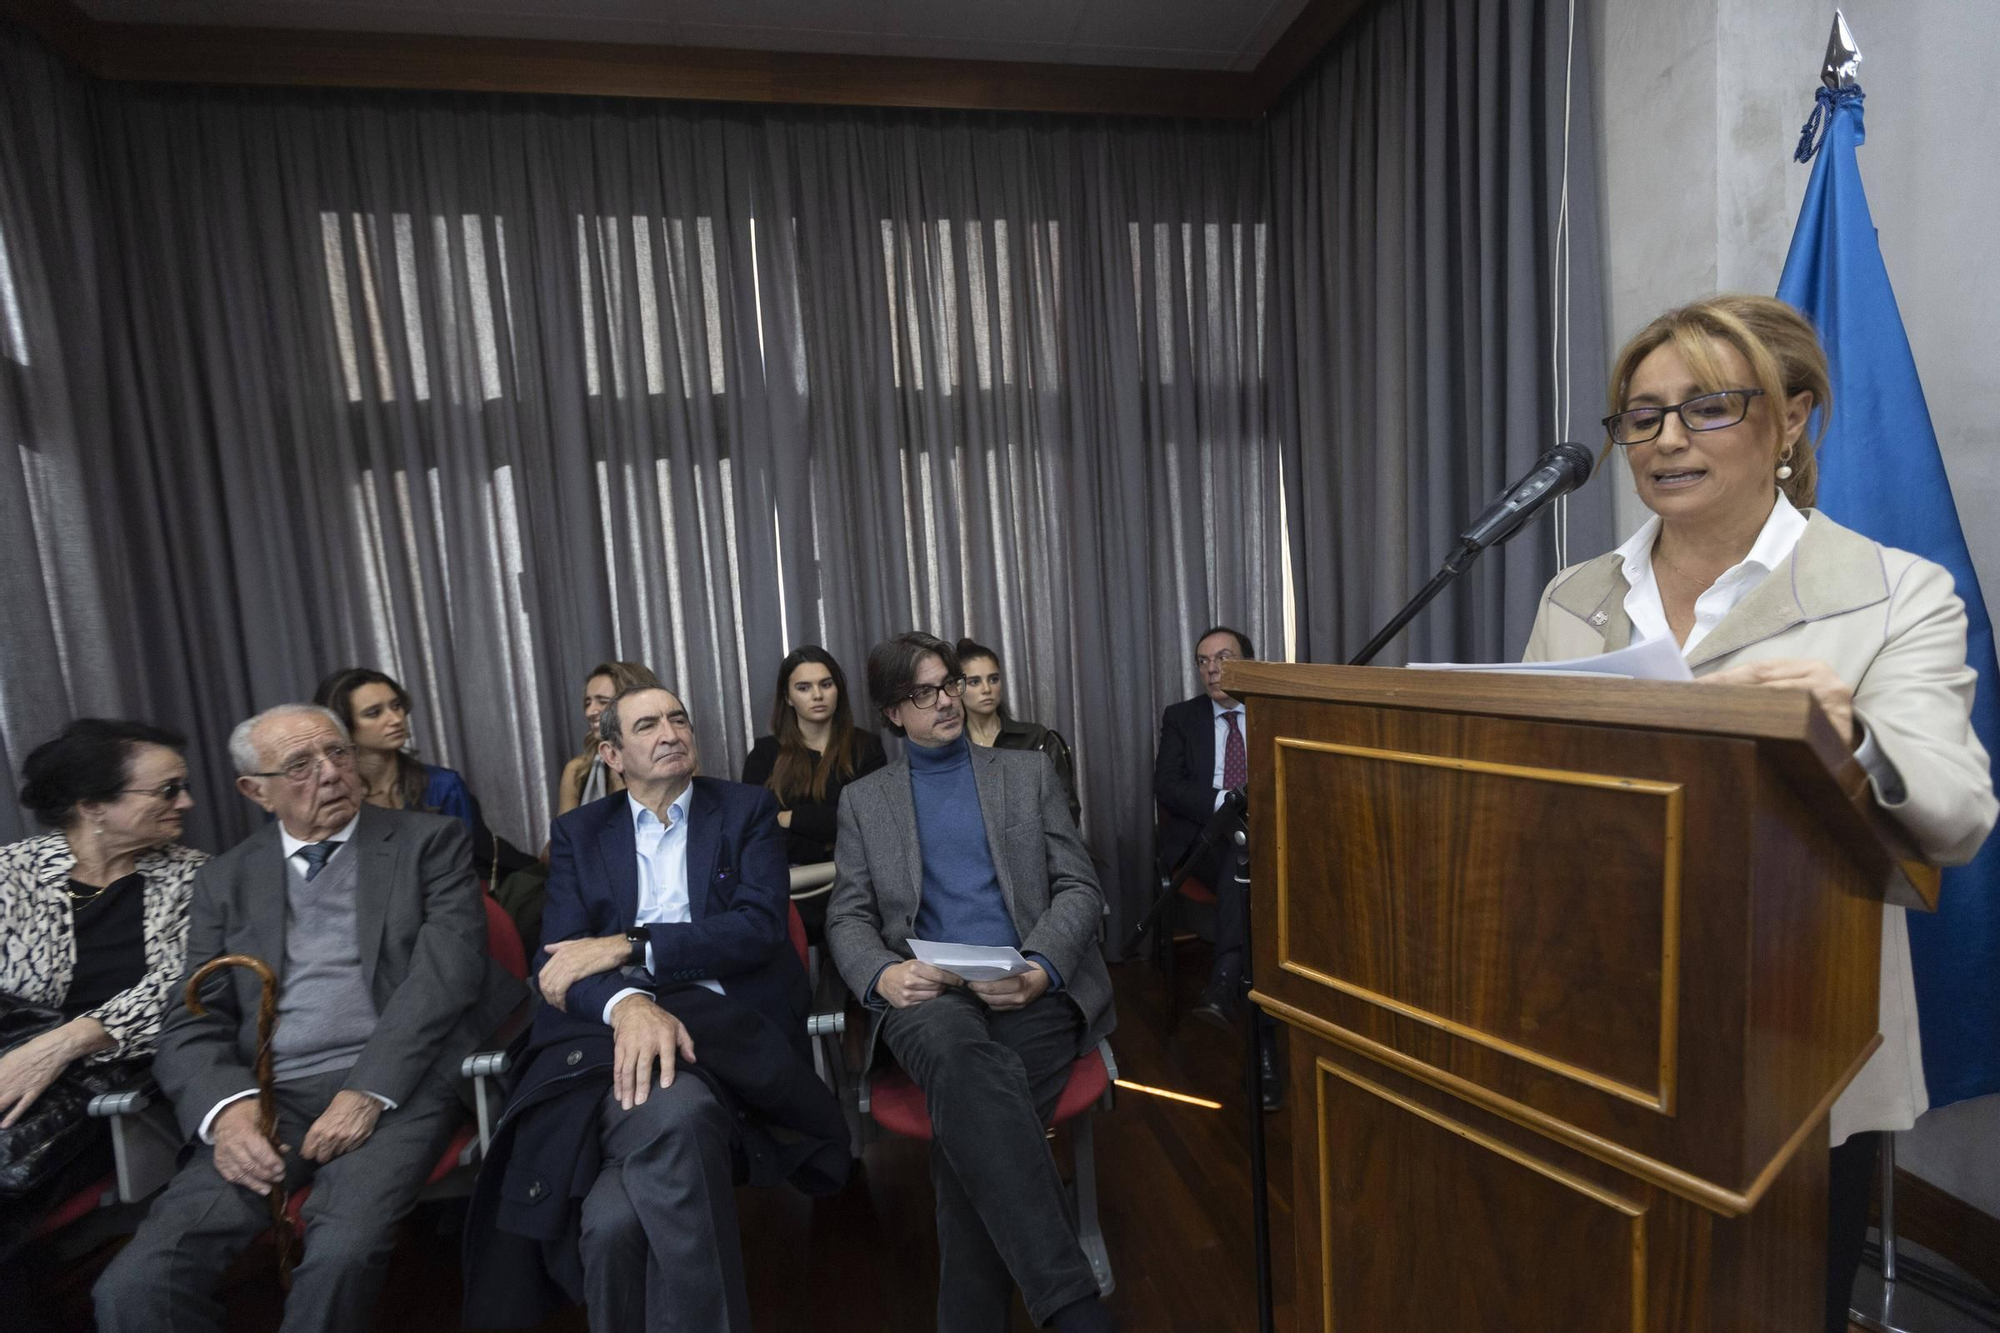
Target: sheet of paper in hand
{"type": "Point", "coordinates": [973, 962]}
{"type": "Point", "coordinates": [1649, 659]}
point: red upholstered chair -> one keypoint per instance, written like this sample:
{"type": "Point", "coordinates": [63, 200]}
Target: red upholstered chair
{"type": "Point", "coordinates": [795, 926]}
{"type": "Point", "coordinates": [98, 1194]}
{"type": "Point", "coordinates": [1195, 901]}
{"type": "Point", "coordinates": [896, 1103]}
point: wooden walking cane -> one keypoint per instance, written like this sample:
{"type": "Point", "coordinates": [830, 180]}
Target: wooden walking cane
{"type": "Point", "coordinates": [267, 1096]}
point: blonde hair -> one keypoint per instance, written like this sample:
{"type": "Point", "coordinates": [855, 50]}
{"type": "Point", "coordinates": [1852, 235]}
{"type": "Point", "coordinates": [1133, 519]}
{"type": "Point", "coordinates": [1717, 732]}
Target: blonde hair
{"type": "Point", "coordinates": [1783, 352]}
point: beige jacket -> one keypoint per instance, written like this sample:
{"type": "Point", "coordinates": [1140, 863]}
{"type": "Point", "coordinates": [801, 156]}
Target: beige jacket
{"type": "Point", "coordinates": [1889, 624]}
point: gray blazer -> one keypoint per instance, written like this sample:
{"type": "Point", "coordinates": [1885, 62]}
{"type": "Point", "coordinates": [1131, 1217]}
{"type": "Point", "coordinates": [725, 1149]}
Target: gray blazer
{"type": "Point", "coordinates": [422, 930]}
{"type": "Point", "coordinates": [1043, 866]}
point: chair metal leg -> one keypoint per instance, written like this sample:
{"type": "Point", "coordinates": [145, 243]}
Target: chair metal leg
{"type": "Point", "coordinates": [1088, 1232]}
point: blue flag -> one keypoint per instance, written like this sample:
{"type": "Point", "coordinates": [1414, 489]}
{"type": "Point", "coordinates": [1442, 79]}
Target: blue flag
{"type": "Point", "coordinates": [1880, 430]}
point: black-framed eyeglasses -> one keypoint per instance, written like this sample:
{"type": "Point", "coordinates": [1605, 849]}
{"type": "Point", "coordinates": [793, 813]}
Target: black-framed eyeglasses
{"type": "Point", "coordinates": [926, 696]}
{"type": "Point", "coordinates": [306, 765]}
{"type": "Point", "coordinates": [1711, 411]}
{"type": "Point", "coordinates": [166, 791]}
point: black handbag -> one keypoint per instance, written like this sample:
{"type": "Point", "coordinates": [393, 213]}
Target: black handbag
{"type": "Point", "coordinates": [56, 1130]}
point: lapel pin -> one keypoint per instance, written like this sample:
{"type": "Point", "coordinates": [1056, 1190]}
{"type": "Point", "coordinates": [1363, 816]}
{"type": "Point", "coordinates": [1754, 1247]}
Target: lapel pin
{"type": "Point", "coordinates": [1599, 619]}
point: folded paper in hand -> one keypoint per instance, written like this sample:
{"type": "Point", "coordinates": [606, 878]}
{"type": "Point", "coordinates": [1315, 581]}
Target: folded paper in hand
{"type": "Point", "coordinates": [1649, 659]}
{"type": "Point", "coordinates": [973, 962]}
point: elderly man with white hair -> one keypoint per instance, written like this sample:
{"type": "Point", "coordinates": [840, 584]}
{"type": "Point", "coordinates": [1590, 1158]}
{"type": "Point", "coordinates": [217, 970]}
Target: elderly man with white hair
{"type": "Point", "coordinates": [372, 921]}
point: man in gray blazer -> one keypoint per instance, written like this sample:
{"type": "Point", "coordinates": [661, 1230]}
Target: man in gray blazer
{"type": "Point", "coordinates": [961, 844]}
{"type": "Point", "coordinates": [372, 921]}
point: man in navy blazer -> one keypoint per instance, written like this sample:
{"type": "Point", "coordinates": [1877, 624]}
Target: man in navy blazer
{"type": "Point", "coordinates": [676, 881]}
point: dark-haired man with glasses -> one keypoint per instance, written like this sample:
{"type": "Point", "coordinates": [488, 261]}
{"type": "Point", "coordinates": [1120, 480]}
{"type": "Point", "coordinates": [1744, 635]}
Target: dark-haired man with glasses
{"type": "Point", "coordinates": [373, 923]}
{"type": "Point", "coordinates": [961, 844]}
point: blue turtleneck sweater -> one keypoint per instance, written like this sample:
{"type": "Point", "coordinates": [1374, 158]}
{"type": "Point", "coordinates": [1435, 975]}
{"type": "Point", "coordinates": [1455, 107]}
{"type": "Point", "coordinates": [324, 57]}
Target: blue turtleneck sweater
{"type": "Point", "coordinates": [962, 902]}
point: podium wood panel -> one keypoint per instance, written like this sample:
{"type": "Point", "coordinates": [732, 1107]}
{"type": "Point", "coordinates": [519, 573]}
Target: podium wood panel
{"type": "Point", "coordinates": [1455, 877]}
{"type": "Point", "coordinates": [1417, 1210]}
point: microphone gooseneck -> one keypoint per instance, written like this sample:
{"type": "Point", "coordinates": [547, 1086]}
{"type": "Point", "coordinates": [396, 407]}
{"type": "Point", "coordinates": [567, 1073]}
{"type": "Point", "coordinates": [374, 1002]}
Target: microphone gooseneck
{"type": "Point", "coordinates": [1556, 473]}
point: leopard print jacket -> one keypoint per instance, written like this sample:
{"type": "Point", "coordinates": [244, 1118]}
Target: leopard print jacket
{"type": "Point", "coordinates": [38, 946]}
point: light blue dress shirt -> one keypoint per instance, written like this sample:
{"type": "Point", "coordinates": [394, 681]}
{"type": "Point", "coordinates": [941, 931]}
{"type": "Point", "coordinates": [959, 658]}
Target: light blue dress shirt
{"type": "Point", "coordinates": [663, 878]}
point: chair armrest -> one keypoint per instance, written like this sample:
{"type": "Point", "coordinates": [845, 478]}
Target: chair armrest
{"type": "Point", "coordinates": [143, 1151]}
{"type": "Point", "coordinates": [1110, 1062]}
{"type": "Point", "coordinates": [482, 1067]}
{"type": "Point", "coordinates": [809, 881]}
{"type": "Point", "coordinates": [106, 1105]}
{"type": "Point", "coordinates": [485, 1064]}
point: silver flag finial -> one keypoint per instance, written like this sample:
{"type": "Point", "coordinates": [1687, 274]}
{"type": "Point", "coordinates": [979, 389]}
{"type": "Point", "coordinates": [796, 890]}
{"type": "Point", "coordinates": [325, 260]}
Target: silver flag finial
{"type": "Point", "coordinates": [1843, 57]}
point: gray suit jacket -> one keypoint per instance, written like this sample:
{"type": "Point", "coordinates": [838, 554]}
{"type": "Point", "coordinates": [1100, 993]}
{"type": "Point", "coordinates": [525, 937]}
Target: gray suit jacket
{"type": "Point", "coordinates": [1043, 867]}
{"type": "Point", "coordinates": [422, 930]}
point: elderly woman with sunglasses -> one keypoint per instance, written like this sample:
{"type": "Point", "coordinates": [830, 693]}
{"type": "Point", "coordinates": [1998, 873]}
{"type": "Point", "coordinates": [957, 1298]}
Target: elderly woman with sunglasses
{"type": "Point", "coordinates": [1711, 404]}
{"type": "Point", "coordinates": [94, 916]}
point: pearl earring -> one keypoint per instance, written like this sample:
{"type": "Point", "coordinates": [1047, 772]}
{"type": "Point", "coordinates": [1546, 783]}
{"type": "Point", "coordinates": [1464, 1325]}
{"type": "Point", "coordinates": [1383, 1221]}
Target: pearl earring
{"type": "Point", "coordinates": [1785, 468]}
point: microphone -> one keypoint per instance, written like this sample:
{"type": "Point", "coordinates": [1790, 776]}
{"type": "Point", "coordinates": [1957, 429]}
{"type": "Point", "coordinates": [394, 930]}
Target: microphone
{"type": "Point", "coordinates": [1557, 472]}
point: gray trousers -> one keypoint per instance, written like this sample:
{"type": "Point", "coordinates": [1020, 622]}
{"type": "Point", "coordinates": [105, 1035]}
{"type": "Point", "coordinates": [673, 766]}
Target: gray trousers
{"type": "Point", "coordinates": [661, 1249]}
{"type": "Point", "coordinates": [992, 1079]}
{"type": "Point", "coordinates": [165, 1280]}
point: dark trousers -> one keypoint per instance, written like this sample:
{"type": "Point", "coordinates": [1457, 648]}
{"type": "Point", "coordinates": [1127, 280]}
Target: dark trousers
{"type": "Point", "coordinates": [1217, 869]}
{"type": "Point", "coordinates": [661, 1249]}
{"type": "Point", "coordinates": [992, 1079]}
{"type": "Point", "coordinates": [1850, 1180]}
{"type": "Point", "coordinates": [165, 1280]}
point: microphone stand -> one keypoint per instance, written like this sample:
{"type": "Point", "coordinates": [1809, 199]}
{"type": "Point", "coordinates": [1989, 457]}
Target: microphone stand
{"type": "Point", "coordinates": [1454, 565]}
{"type": "Point", "coordinates": [1253, 1101]}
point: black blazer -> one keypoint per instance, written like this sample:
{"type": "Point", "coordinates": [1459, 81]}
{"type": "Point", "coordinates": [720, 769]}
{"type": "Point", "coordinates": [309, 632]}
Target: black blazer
{"type": "Point", "coordinates": [814, 823]}
{"type": "Point", "coordinates": [739, 900]}
{"type": "Point", "coordinates": [1184, 775]}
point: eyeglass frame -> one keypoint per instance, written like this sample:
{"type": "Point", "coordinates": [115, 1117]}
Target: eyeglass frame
{"type": "Point", "coordinates": [339, 755]}
{"type": "Point", "coordinates": [1676, 409]}
{"type": "Point", "coordinates": [166, 791]}
{"type": "Point", "coordinates": [953, 688]}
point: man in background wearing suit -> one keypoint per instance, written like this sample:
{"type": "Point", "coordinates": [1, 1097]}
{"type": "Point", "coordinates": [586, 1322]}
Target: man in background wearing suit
{"type": "Point", "coordinates": [1204, 754]}
{"type": "Point", "coordinates": [372, 921]}
{"type": "Point", "coordinates": [674, 1038]}
{"type": "Point", "coordinates": [968, 845]}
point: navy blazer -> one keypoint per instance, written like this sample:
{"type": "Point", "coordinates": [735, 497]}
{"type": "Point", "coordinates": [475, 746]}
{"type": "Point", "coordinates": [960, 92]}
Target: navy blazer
{"type": "Point", "coordinates": [739, 887]}
{"type": "Point", "coordinates": [1184, 775]}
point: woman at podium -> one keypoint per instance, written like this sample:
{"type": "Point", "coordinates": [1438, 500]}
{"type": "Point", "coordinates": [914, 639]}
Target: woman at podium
{"type": "Point", "coordinates": [1710, 407]}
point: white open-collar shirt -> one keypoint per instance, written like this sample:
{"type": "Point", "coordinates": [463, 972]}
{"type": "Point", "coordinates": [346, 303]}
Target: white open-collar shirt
{"type": "Point", "coordinates": [663, 876]}
{"type": "Point", "coordinates": [1775, 543]}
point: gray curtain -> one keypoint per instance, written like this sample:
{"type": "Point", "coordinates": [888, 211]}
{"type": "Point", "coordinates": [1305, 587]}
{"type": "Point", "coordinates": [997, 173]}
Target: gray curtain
{"type": "Point", "coordinates": [481, 390]}
{"type": "Point", "coordinates": [1436, 342]}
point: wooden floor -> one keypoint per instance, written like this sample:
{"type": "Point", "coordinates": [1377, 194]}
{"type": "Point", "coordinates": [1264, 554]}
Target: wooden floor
{"type": "Point", "coordinates": [1173, 1183]}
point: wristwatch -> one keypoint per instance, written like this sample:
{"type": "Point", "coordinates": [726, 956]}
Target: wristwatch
{"type": "Point", "coordinates": [637, 939]}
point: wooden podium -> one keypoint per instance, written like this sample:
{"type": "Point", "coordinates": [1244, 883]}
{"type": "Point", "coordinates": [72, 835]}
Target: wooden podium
{"type": "Point", "coordinates": [1572, 970]}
